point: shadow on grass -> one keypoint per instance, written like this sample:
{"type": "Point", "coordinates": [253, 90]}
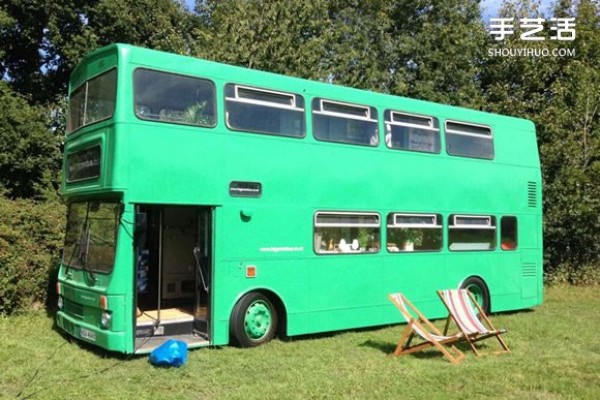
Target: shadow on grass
{"type": "Point", "coordinates": [388, 349]}
{"type": "Point", "coordinates": [331, 334]}
{"type": "Point", "coordinates": [385, 347]}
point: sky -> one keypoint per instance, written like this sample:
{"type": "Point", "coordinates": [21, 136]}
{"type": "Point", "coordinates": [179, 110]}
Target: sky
{"type": "Point", "coordinates": [490, 8]}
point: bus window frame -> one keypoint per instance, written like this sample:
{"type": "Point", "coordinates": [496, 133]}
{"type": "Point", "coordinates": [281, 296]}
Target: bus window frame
{"type": "Point", "coordinates": [437, 223]}
{"type": "Point", "coordinates": [490, 225]}
{"type": "Point", "coordinates": [469, 134]}
{"type": "Point", "coordinates": [513, 244]}
{"type": "Point", "coordinates": [371, 116]}
{"type": "Point", "coordinates": [215, 115]}
{"type": "Point", "coordinates": [68, 262]}
{"type": "Point", "coordinates": [326, 252]}
{"type": "Point", "coordinates": [86, 83]}
{"type": "Point", "coordinates": [433, 122]}
{"type": "Point", "coordinates": [237, 99]}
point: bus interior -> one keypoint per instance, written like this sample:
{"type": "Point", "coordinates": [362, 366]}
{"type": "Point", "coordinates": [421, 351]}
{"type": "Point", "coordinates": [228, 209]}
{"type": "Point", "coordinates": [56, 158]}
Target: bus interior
{"type": "Point", "coordinates": [173, 268]}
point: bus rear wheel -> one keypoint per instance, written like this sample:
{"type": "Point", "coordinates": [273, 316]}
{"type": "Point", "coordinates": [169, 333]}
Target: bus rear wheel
{"type": "Point", "coordinates": [253, 320]}
{"type": "Point", "coordinates": [479, 290]}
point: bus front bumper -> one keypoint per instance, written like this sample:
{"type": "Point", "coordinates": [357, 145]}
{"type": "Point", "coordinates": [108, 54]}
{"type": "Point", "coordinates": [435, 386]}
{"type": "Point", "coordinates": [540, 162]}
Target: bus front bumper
{"type": "Point", "coordinates": [113, 341]}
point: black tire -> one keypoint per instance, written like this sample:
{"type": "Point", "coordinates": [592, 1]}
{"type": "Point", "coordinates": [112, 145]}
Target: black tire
{"type": "Point", "coordinates": [480, 291]}
{"type": "Point", "coordinates": [253, 320]}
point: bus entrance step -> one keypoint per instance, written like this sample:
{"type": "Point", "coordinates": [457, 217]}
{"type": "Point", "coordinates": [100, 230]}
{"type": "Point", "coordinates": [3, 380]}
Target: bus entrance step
{"type": "Point", "coordinates": [166, 328]}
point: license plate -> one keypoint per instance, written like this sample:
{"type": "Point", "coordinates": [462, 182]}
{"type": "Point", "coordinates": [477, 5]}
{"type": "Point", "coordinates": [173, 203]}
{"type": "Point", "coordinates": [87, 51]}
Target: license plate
{"type": "Point", "coordinates": [87, 334]}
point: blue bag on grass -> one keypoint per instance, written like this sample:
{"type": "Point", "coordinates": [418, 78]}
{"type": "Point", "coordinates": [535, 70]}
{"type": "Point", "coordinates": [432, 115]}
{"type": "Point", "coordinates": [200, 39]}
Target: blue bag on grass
{"type": "Point", "coordinates": [172, 353]}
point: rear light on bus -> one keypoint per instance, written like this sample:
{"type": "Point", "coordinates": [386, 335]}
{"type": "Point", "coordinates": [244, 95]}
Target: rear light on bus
{"type": "Point", "coordinates": [58, 288]}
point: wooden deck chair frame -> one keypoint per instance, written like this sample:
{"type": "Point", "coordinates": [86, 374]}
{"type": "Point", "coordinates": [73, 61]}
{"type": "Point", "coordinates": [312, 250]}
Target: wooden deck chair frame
{"type": "Point", "coordinates": [473, 323]}
{"type": "Point", "coordinates": [423, 328]}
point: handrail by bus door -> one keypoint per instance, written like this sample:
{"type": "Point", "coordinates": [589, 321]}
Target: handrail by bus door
{"type": "Point", "coordinates": [160, 264]}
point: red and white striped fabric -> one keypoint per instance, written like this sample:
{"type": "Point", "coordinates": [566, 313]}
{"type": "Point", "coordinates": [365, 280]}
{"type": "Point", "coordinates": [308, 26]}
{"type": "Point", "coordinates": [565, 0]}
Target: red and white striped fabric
{"type": "Point", "coordinates": [459, 305]}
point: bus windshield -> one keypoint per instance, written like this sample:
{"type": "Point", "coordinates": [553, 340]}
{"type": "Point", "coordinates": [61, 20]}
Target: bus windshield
{"type": "Point", "coordinates": [91, 237]}
{"type": "Point", "coordinates": [93, 101]}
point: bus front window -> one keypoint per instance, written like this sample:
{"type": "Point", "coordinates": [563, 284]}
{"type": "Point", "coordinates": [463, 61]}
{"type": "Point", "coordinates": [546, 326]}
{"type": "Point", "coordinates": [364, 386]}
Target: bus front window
{"type": "Point", "coordinates": [91, 237]}
{"type": "Point", "coordinates": [93, 101]}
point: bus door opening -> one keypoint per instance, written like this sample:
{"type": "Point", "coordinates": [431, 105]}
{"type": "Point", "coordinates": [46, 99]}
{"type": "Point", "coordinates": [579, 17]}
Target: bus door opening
{"type": "Point", "coordinates": [173, 255]}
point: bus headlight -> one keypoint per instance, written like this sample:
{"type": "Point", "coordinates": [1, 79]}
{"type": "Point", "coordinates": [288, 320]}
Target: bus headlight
{"type": "Point", "coordinates": [105, 320]}
{"type": "Point", "coordinates": [60, 303]}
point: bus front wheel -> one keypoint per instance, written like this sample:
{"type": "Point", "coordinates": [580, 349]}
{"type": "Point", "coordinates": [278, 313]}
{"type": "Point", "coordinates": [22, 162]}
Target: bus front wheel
{"type": "Point", "coordinates": [479, 290]}
{"type": "Point", "coordinates": [253, 320]}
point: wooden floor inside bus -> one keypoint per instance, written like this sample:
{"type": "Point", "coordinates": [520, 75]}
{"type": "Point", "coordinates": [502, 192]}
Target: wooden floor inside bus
{"type": "Point", "coordinates": [170, 314]}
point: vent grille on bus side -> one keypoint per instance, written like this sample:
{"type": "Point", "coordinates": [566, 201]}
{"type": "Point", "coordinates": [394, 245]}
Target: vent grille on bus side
{"type": "Point", "coordinates": [532, 194]}
{"type": "Point", "coordinates": [528, 270]}
{"type": "Point", "coordinates": [100, 64]}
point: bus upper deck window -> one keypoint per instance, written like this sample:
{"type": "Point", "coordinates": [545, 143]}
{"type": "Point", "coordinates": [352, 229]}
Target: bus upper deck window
{"type": "Point", "coordinates": [469, 140]}
{"type": "Point", "coordinates": [339, 122]}
{"type": "Point", "coordinates": [93, 101]}
{"type": "Point", "coordinates": [173, 98]}
{"type": "Point", "coordinates": [265, 111]}
{"type": "Point", "coordinates": [411, 132]}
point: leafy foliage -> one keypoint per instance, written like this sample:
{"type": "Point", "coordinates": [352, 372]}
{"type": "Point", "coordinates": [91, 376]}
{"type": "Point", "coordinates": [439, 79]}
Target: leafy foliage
{"type": "Point", "coordinates": [561, 96]}
{"type": "Point", "coordinates": [29, 150]}
{"type": "Point", "coordinates": [438, 47]}
{"type": "Point", "coordinates": [31, 236]}
{"type": "Point", "coordinates": [286, 37]}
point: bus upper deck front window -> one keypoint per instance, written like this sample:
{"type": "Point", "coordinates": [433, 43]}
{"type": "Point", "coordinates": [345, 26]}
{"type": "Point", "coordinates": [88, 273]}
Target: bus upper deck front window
{"type": "Point", "coordinates": [93, 101]}
{"type": "Point", "coordinates": [91, 237]}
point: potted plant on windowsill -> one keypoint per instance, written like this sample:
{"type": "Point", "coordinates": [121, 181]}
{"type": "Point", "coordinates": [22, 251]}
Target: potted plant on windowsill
{"type": "Point", "coordinates": [410, 237]}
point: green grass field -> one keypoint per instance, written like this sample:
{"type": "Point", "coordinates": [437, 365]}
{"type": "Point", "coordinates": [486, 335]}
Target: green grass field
{"type": "Point", "coordinates": [555, 354]}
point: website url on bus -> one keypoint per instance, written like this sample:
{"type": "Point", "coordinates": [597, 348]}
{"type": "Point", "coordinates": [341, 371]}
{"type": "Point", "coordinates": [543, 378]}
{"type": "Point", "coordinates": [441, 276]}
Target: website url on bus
{"type": "Point", "coordinates": [529, 52]}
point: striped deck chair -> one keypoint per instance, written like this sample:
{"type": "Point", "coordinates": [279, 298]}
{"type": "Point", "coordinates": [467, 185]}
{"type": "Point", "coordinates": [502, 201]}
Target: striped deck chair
{"type": "Point", "coordinates": [420, 326]}
{"type": "Point", "coordinates": [470, 318]}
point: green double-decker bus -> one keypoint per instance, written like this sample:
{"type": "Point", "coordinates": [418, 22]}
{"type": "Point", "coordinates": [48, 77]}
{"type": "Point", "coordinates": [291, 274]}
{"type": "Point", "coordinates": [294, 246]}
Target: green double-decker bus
{"type": "Point", "coordinates": [216, 204]}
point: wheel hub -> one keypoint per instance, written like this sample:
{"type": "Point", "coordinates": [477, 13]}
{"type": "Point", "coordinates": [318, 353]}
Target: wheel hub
{"type": "Point", "coordinates": [257, 320]}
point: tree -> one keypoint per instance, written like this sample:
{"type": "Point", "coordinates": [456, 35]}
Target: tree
{"type": "Point", "coordinates": [381, 45]}
{"type": "Point", "coordinates": [570, 147]}
{"type": "Point", "coordinates": [29, 150]}
{"type": "Point", "coordinates": [560, 94]}
{"type": "Point", "coordinates": [438, 49]}
{"type": "Point", "coordinates": [42, 40]}
{"type": "Point", "coordinates": [286, 37]}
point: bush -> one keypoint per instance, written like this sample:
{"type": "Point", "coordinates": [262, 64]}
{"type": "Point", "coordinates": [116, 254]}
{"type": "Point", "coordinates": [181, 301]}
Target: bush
{"type": "Point", "coordinates": [31, 239]}
{"type": "Point", "coordinates": [582, 275]}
